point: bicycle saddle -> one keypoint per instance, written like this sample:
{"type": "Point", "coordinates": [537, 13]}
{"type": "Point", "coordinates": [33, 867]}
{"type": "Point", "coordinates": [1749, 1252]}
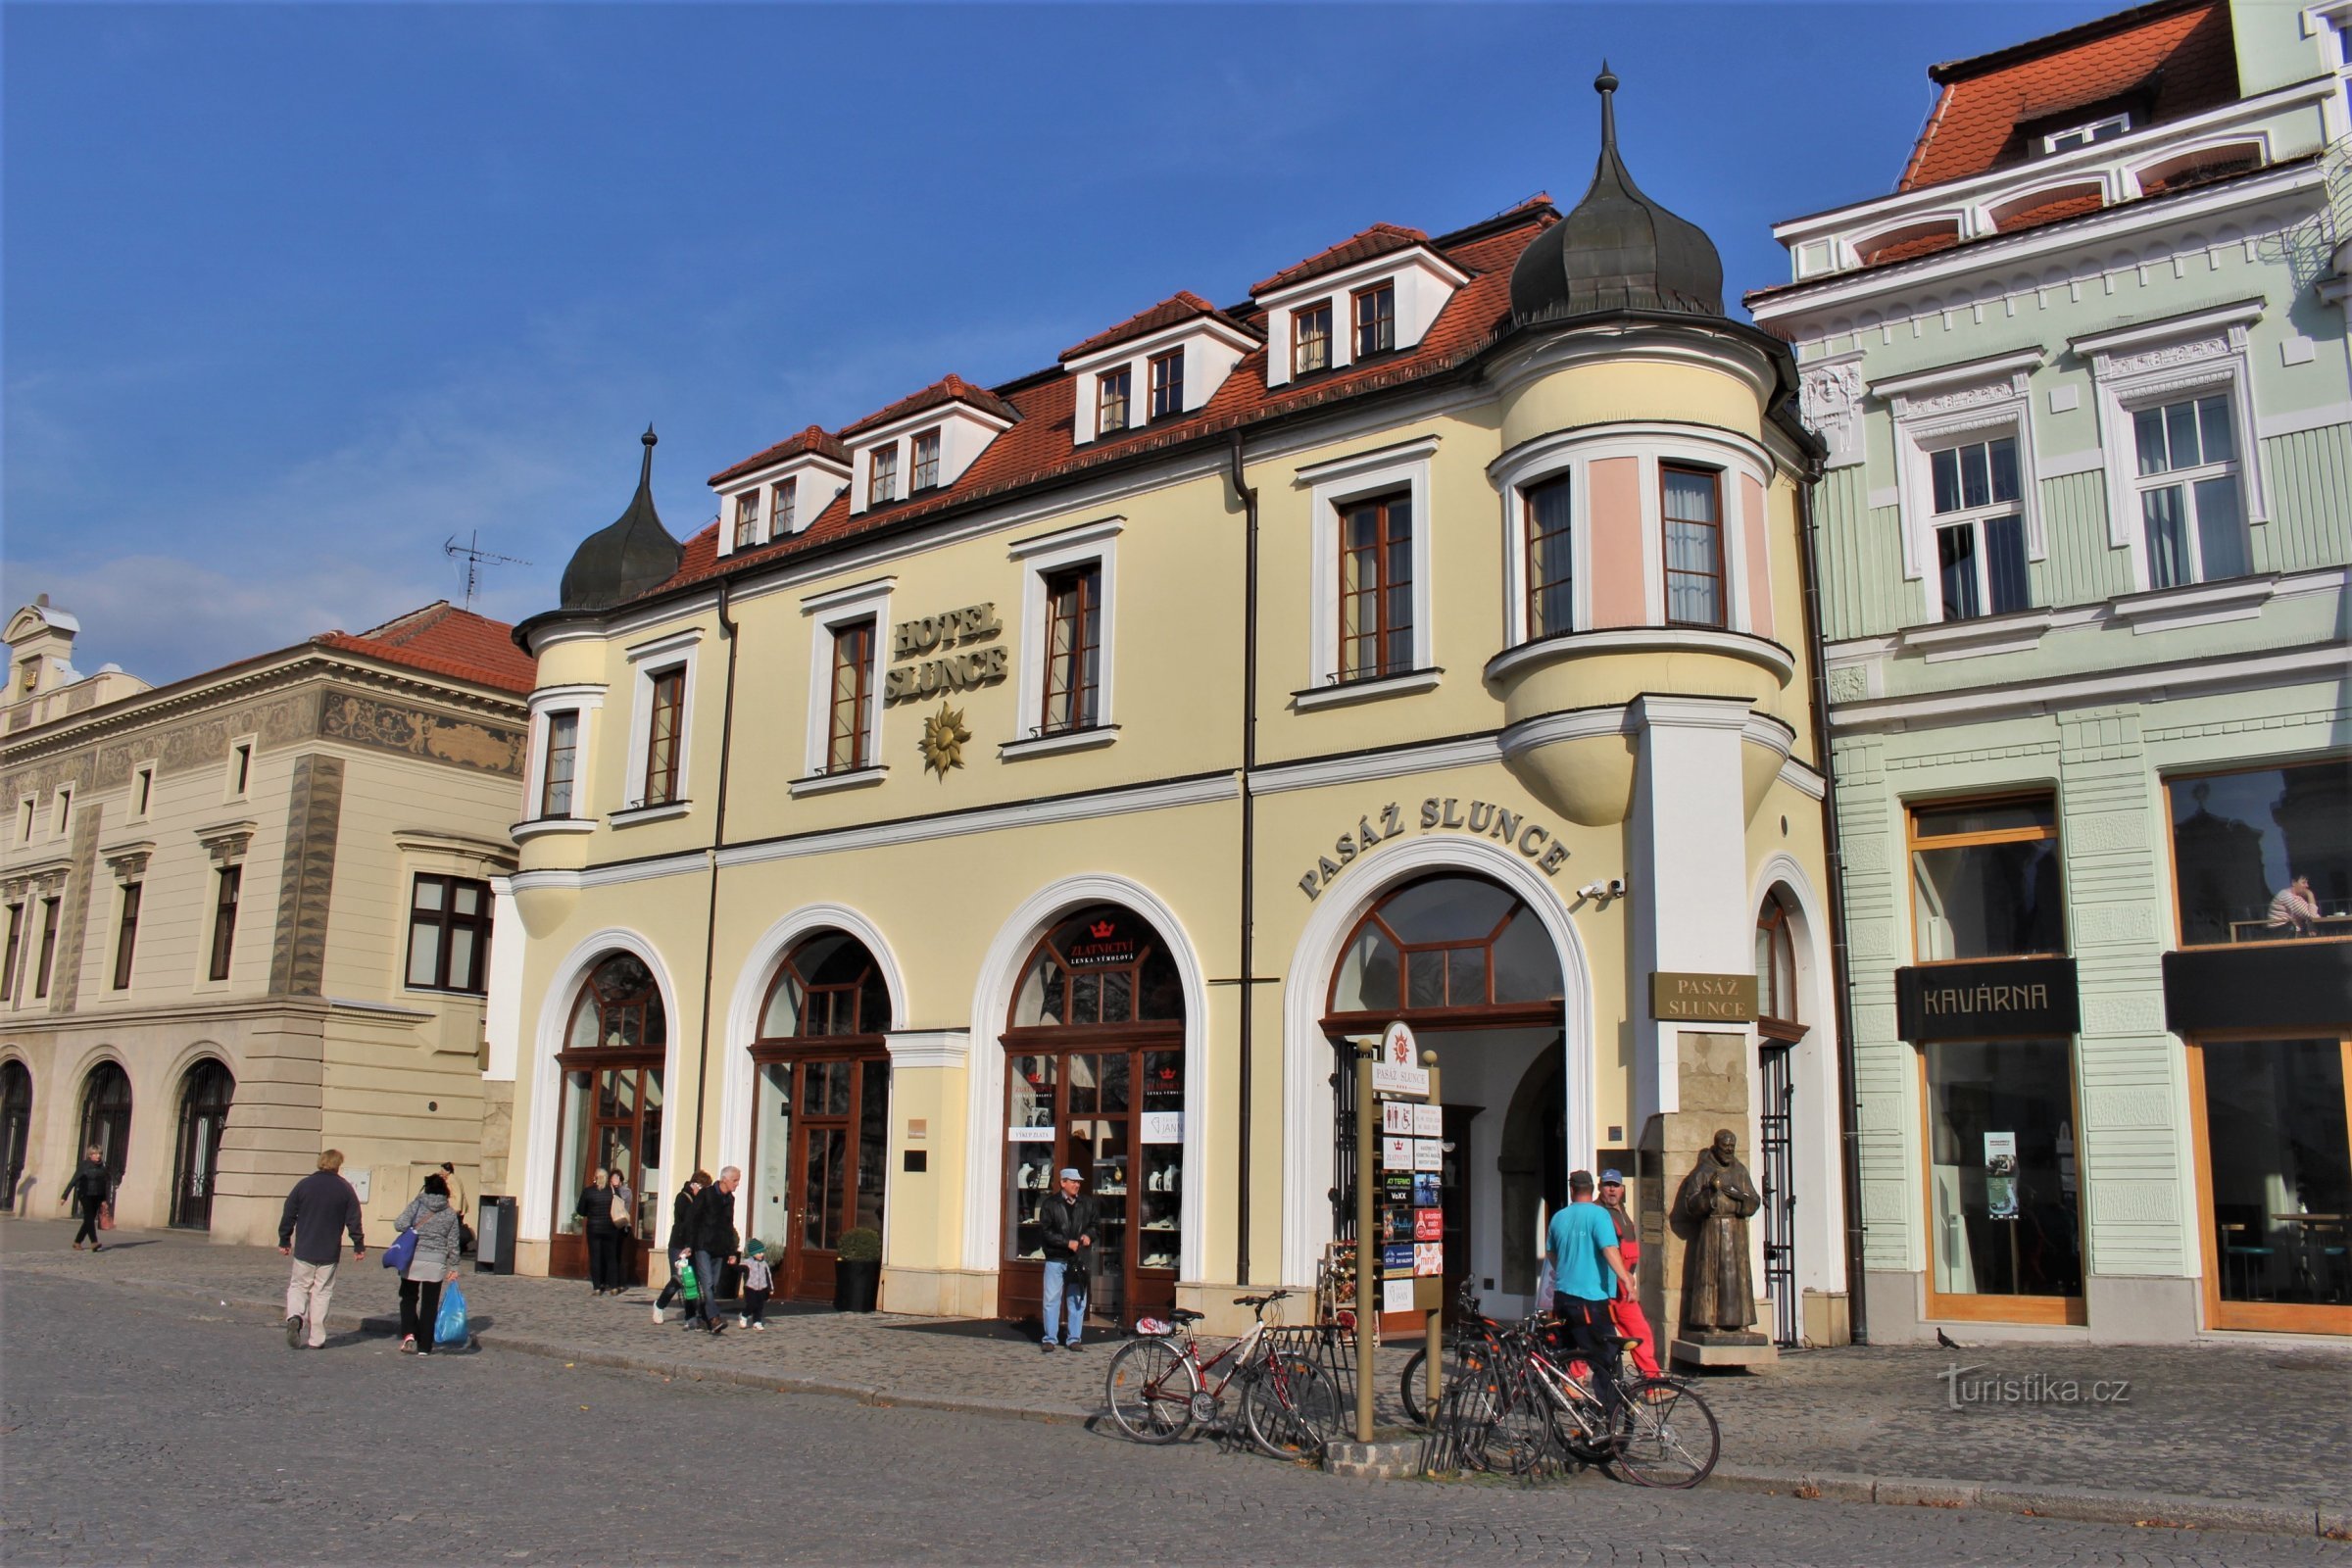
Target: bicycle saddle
{"type": "Point", "coordinates": [1184, 1315]}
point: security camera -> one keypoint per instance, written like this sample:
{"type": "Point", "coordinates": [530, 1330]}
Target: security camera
{"type": "Point", "coordinates": [1617, 887]}
{"type": "Point", "coordinates": [1594, 890]}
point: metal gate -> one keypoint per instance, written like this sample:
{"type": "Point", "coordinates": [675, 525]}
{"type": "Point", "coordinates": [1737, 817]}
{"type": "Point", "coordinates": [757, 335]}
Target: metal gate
{"type": "Point", "coordinates": [1343, 1151]}
{"type": "Point", "coordinates": [1776, 1122]}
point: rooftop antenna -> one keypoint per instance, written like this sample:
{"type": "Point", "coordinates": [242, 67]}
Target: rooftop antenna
{"type": "Point", "coordinates": [476, 557]}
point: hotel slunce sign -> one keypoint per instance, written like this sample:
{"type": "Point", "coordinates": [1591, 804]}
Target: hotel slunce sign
{"type": "Point", "coordinates": [1988, 999]}
{"type": "Point", "coordinates": [943, 655]}
{"type": "Point", "coordinates": [1447, 813]}
{"type": "Point", "coordinates": [1702, 998]}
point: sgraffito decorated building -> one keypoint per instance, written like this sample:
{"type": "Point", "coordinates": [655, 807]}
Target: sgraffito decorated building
{"type": "Point", "coordinates": [1061, 773]}
{"type": "Point", "coordinates": [2084, 536]}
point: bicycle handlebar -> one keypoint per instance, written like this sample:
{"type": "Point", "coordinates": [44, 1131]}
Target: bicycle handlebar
{"type": "Point", "coordinates": [1258, 1303]}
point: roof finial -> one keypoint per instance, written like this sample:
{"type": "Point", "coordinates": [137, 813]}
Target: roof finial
{"type": "Point", "coordinates": [645, 475]}
{"type": "Point", "coordinates": [1606, 84]}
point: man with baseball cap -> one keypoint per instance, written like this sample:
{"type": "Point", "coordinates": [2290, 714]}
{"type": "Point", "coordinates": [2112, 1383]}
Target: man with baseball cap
{"type": "Point", "coordinates": [1587, 1272]}
{"type": "Point", "coordinates": [1067, 1218]}
{"type": "Point", "coordinates": [1625, 1310]}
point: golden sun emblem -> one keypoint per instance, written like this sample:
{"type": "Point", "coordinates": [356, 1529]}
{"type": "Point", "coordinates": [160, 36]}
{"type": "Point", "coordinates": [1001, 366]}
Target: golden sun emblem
{"type": "Point", "coordinates": [944, 736]}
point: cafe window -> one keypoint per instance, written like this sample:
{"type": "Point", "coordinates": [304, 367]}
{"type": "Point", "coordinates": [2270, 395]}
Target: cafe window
{"type": "Point", "coordinates": [1984, 880]}
{"type": "Point", "coordinates": [2005, 1237]}
{"type": "Point", "coordinates": [2262, 855]}
{"type": "Point", "coordinates": [2275, 1156]}
{"type": "Point", "coordinates": [449, 934]}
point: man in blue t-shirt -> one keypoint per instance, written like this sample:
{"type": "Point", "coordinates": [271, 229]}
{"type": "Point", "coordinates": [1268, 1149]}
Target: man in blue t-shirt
{"type": "Point", "coordinates": [1587, 1272]}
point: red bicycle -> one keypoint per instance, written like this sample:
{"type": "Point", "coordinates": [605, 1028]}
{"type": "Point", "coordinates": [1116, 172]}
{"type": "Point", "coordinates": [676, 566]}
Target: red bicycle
{"type": "Point", "coordinates": [1158, 1386]}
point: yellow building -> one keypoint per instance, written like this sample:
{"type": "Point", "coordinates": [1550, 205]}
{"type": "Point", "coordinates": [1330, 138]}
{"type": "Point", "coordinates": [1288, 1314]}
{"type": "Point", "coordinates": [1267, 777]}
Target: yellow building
{"type": "Point", "coordinates": [1059, 774]}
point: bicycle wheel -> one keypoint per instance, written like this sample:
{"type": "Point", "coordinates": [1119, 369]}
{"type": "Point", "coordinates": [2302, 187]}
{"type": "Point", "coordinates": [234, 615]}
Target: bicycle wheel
{"type": "Point", "coordinates": [1149, 1389]}
{"type": "Point", "coordinates": [1669, 1436]}
{"type": "Point", "coordinates": [1470, 1354]}
{"type": "Point", "coordinates": [1292, 1408]}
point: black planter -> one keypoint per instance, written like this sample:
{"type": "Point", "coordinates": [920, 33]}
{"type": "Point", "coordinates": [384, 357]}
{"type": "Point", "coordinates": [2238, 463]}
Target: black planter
{"type": "Point", "coordinates": [855, 1282]}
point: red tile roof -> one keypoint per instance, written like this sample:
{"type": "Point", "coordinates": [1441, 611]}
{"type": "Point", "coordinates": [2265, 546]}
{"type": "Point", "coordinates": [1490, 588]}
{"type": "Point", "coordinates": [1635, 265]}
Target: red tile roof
{"type": "Point", "coordinates": [1182, 305]}
{"type": "Point", "coordinates": [1038, 446]}
{"type": "Point", "coordinates": [2177, 55]}
{"type": "Point", "coordinates": [444, 640]}
{"type": "Point", "coordinates": [1378, 240]}
{"type": "Point", "coordinates": [947, 389]}
{"type": "Point", "coordinates": [814, 439]}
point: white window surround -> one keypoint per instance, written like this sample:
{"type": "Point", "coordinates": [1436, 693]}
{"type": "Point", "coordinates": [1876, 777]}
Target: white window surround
{"type": "Point", "coordinates": [1097, 543]}
{"type": "Point", "coordinates": [964, 432]}
{"type": "Point", "coordinates": [1424, 282]}
{"type": "Point", "coordinates": [252, 745]}
{"type": "Point", "coordinates": [1959, 405]}
{"type": "Point", "coordinates": [584, 702]}
{"type": "Point", "coordinates": [679, 651]}
{"type": "Point", "coordinates": [1210, 349]}
{"type": "Point", "coordinates": [1332, 485]}
{"type": "Point", "coordinates": [819, 479]}
{"type": "Point", "coordinates": [826, 612]}
{"type": "Point", "coordinates": [1572, 452]}
{"type": "Point", "coordinates": [2161, 362]}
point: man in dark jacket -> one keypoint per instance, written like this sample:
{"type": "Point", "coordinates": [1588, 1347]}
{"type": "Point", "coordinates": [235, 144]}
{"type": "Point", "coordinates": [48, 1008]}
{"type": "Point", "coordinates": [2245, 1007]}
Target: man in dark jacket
{"type": "Point", "coordinates": [321, 1206]}
{"type": "Point", "coordinates": [681, 1240]}
{"type": "Point", "coordinates": [715, 1243]}
{"type": "Point", "coordinates": [87, 1186]}
{"type": "Point", "coordinates": [1067, 1219]}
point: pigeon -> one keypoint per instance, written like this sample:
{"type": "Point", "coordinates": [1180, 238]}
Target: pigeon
{"type": "Point", "coordinates": [1947, 1341]}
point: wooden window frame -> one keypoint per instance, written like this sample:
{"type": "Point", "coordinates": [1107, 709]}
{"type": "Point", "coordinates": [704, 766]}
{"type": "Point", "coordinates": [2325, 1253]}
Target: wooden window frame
{"type": "Point", "coordinates": [569, 752]}
{"type": "Point", "coordinates": [922, 467]}
{"type": "Point", "coordinates": [783, 506]}
{"type": "Point", "coordinates": [1300, 338]}
{"type": "Point", "coordinates": [1114, 392]}
{"type": "Point", "coordinates": [1778, 921]}
{"type": "Point", "coordinates": [1377, 335]}
{"type": "Point", "coordinates": [1385, 541]}
{"type": "Point", "coordinates": [858, 1034]}
{"type": "Point", "coordinates": [1961, 1308]}
{"type": "Point", "coordinates": [1484, 1011]}
{"type": "Point", "coordinates": [853, 651]}
{"type": "Point", "coordinates": [747, 520]}
{"type": "Point", "coordinates": [1166, 373]}
{"type": "Point", "coordinates": [1668, 572]}
{"type": "Point", "coordinates": [1913, 844]}
{"type": "Point", "coordinates": [665, 697]}
{"type": "Point", "coordinates": [126, 933]}
{"type": "Point", "coordinates": [1079, 587]}
{"type": "Point", "coordinates": [1566, 534]}
{"type": "Point", "coordinates": [882, 474]}
{"type": "Point", "coordinates": [447, 922]}
{"type": "Point", "coordinates": [227, 887]}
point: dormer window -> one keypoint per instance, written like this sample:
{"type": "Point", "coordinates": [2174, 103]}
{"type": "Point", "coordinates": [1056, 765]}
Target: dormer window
{"type": "Point", "coordinates": [1310, 338]}
{"type": "Point", "coordinates": [1375, 319]}
{"type": "Point", "coordinates": [1167, 384]}
{"type": "Point", "coordinates": [1111, 390]}
{"type": "Point", "coordinates": [747, 518]}
{"type": "Point", "coordinates": [783, 507]}
{"type": "Point", "coordinates": [2074, 136]}
{"type": "Point", "coordinates": [926, 461]}
{"type": "Point", "coordinates": [882, 483]}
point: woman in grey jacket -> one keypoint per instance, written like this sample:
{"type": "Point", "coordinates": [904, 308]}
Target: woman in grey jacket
{"type": "Point", "coordinates": [434, 1264]}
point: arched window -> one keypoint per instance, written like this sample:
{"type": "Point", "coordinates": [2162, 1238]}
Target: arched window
{"type": "Point", "coordinates": [1445, 944]}
{"type": "Point", "coordinates": [1101, 967]}
{"type": "Point", "coordinates": [620, 1007]}
{"type": "Point", "coordinates": [204, 1100]}
{"type": "Point", "coordinates": [106, 1118]}
{"type": "Point", "coordinates": [828, 985]}
{"type": "Point", "coordinates": [611, 1106]}
{"type": "Point", "coordinates": [1777, 1010]}
{"type": "Point", "coordinates": [16, 1127]}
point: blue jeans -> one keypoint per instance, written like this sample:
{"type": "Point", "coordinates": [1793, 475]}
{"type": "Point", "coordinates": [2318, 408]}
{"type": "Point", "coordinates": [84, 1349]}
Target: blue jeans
{"type": "Point", "coordinates": [1065, 1282]}
{"type": "Point", "coordinates": [708, 1267]}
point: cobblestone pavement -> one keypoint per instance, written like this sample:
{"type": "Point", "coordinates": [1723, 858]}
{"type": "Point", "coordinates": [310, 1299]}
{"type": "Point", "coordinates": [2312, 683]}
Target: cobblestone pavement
{"type": "Point", "coordinates": [2268, 1421]}
{"type": "Point", "coordinates": [158, 1428]}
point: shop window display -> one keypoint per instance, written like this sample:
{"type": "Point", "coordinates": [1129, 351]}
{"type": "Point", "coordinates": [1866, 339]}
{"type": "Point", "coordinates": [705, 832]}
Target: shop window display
{"type": "Point", "coordinates": [2277, 1157]}
{"type": "Point", "coordinates": [2264, 855]}
{"type": "Point", "coordinates": [2004, 1181]}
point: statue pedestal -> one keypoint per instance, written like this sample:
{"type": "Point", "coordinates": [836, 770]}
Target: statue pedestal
{"type": "Point", "coordinates": [1712, 1352]}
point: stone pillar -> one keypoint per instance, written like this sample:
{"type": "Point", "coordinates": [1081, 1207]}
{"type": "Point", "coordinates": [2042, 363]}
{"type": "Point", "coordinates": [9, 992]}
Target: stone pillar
{"type": "Point", "coordinates": [1712, 1070]}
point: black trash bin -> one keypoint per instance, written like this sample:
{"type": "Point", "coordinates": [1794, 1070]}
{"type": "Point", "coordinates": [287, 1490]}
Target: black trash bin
{"type": "Point", "coordinates": [494, 1248]}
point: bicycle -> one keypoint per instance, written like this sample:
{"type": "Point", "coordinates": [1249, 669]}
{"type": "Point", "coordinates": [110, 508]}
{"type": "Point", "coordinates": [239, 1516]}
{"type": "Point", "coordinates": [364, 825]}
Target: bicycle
{"type": "Point", "coordinates": [1471, 1343]}
{"type": "Point", "coordinates": [1660, 1435]}
{"type": "Point", "coordinates": [1156, 1385]}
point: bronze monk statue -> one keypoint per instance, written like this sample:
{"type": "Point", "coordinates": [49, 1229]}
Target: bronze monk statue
{"type": "Point", "coordinates": [1719, 1298]}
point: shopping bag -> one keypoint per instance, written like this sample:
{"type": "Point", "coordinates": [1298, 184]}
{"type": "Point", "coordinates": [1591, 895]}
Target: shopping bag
{"type": "Point", "coordinates": [449, 1325]}
{"type": "Point", "coordinates": [401, 1249]}
{"type": "Point", "coordinates": [688, 1285]}
{"type": "Point", "coordinates": [105, 1216]}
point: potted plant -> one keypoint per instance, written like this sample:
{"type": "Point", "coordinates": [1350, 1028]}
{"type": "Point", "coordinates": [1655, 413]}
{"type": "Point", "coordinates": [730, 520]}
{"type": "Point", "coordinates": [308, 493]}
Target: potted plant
{"type": "Point", "coordinates": [857, 1270]}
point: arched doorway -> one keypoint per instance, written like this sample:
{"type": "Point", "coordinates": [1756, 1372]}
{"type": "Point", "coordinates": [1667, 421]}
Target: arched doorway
{"type": "Point", "coordinates": [204, 1097]}
{"type": "Point", "coordinates": [1475, 972]}
{"type": "Point", "coordinates": [610, 1114]}
{"type": "Point", "coordinates": [106, 1121]}
{"type": "Point", "coordinates": [1779, 1028]}
{"type": "Point", "coordinates": [820, 1119]}
{"type": "Point", "coordinates": [1094, 1064]}
{"type": "Point", "coordinates": [16, 1128]}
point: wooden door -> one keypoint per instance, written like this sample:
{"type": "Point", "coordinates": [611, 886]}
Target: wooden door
{"type": "Point", "coordinates": [836, 1171]}
{"type": "Point", "coordinates": [196, 1166]}
{"type": "Point", "coordinates": [611, 1120]}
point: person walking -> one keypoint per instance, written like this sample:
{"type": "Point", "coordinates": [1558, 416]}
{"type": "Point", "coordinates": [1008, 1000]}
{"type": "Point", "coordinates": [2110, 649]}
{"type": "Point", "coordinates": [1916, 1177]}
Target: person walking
{"type": "Point", "coordinates": [1625, 1312]}
{"type": "Point", "coordinates": [715, 1243]}
{"type": "Point", "coordinates": [758, 1280]}
{"type": "Point", "coordinates": [433, 1264]}
{"type": "Point", "coordinates": [1587, 1271]}
{"type": "Point", "coordinates": [310, 1229]}
{"type": "Point", "coordinates": [595, 1209]}
{"type": "Point", "coordinates": [681, 1240]}
{"type": "Point", "coordinates": [87, 1187]}
{"type": "Point", "coordinates": [456, 1201]}
{"type": "Point", "coordinates": [1067, 1216]}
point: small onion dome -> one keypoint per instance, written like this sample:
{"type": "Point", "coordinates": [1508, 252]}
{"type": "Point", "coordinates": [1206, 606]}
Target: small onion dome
{"type": "Point", "coordinates": [632, 555]}
{"type": "Point", "coordinates": [1617, 250]}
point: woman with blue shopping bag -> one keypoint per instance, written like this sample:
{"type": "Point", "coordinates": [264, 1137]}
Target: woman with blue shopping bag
{"type": "Point", "coordinates": [433, 1264]}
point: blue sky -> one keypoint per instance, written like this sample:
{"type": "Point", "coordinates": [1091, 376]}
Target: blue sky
{"type": "Point", "coordinates": [294, 292]}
